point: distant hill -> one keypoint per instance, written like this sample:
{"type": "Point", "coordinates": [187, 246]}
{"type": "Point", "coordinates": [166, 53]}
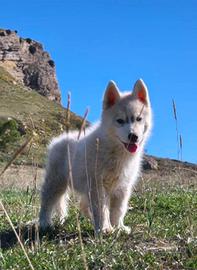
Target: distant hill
{"type": "Point", "coordinates": [22, 112]}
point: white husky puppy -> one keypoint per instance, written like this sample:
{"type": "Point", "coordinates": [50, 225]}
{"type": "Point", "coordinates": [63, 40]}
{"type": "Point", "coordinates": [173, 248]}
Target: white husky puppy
{"type": "Point", "coordinates": [103, 165]}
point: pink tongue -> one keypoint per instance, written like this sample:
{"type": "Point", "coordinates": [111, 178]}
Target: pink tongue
{"type": "Point", "coordinates": [131, 147]}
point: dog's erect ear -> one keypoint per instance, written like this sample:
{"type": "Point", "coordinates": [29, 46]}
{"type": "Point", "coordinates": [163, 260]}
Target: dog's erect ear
{"type": "Point", "coordinates": [140, 92]}
{"type": "Point", "coordinates": [111, 96]}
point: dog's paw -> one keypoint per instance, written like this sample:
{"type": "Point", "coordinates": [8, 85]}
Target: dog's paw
{"type": "Point", "coordinates": [107, 230]}
{"type": "Point", "coordinates": [125, 229]}
{"type": "Point", "coordinates": [44, 225]}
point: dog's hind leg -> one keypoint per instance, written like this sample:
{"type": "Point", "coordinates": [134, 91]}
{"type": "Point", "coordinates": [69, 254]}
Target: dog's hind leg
{"type": "Point", "coordinates": [52, 196]}
{"type": "Point", "coordinates": [99, 205]}
{"type": "Point", "coordinates": [85, 206]}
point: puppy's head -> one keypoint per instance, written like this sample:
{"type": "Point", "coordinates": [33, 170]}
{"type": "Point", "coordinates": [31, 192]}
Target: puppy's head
{"type": "Point", "coordinates": [126, 117]}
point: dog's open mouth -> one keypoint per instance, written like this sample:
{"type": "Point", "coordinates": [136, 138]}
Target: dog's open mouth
{"type": "Point", "coordinates": [131, 147]}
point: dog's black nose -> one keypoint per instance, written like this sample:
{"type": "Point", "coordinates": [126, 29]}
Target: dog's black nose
{"type": "Point", "coordinates": [132, 137]}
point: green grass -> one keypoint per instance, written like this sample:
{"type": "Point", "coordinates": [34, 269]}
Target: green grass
{"type": "Point", "coordinates": [163, 235]}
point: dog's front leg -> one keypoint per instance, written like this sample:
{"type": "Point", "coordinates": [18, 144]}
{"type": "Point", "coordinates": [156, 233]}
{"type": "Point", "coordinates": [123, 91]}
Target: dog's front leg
{"type": "Point", "coordinates": [118, 208]}
{"type": "Point", "coordinates": [106, 224]}
{"type": "Point", "coordinates": [99, 205]}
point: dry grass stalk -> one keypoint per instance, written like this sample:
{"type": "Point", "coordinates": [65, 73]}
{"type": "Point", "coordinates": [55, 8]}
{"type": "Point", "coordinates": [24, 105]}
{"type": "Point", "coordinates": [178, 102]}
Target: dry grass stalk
{"type": "Point", "coordinates": [72, 188]}
{"type": "Point", "coordinates": [33, 193]}
{"type": "Point", "coordinates": [17, 236]}
{"type": "Point", "coordinates": [32, 122]}
{"type": "Point", "coordinates": [181, 146]}
{"type": "Point", "coordinates": [174, 109]}
{"type": "Point", "coordinates": [77, 214]}
{"type": "Point", "coordinates": [176, 122]}
{"type": "Point", "coordinates": [178, 137]}
{"type": "Point", "coordinates": [68, 113]}
{"type": "Point", "coordinates": [83, 123]}
{"type": "Point", "coordinates": [88, 183]}
{"type": "Point", "coordinates": [16, 154]}
{"type": "Point", "coordinates": [99, 185]}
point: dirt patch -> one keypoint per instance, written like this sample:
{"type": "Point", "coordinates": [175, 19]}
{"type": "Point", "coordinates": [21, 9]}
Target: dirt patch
{"type": "Point", "coordinates": [21, 177]}
{"type": "Point", "coordinates": [166, 175]}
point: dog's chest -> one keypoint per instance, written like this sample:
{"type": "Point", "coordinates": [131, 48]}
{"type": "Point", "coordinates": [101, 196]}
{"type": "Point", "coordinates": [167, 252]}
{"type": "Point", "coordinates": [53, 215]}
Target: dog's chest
{"type": "Point", "coordinates": [113, 172]}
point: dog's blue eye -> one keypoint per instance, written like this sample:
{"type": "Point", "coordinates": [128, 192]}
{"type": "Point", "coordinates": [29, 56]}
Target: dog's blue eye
{"type": "Point", "coordinates": [139, 119]}
{"type": "Point", "coordinates": [120, 121]}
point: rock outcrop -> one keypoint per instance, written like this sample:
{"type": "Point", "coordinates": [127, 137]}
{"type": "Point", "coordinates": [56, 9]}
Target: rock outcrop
{"type": "Point", "coordinates": [26, 61]}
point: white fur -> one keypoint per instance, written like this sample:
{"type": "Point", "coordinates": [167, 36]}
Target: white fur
{"type": "Point", "coordinates": [103, 171]}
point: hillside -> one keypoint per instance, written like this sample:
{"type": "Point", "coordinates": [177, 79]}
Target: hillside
{"type": "Point", "coordinates": [23, 112]}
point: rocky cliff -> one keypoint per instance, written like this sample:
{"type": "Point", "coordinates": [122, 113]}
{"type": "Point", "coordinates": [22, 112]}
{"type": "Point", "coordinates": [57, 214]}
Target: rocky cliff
{"type": "Point", "coordinates": [26, 60]}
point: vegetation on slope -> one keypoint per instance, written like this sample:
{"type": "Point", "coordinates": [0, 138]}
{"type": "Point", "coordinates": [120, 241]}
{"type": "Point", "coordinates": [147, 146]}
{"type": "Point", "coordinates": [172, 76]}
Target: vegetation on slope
{"type": "Point", "coordinates": [24, 112]}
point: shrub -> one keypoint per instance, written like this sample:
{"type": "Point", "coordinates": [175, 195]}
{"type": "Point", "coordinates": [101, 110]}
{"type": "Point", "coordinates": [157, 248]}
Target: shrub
{"type": "Point", "coordinates": [32, 49]}
{"type": "Point", "coordinates": [51, 63]}
{"type": "Point", "coordinates": [28, 40]}
{"type": "Point", "coordinates": [8, 31]}
{"type": "Point", "coordinates": [9, 132]}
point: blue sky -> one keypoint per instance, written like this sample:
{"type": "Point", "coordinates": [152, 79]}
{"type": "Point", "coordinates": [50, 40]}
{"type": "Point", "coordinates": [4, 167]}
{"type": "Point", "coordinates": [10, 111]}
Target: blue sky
{"type": "Point", "coordinates": [93, 42]}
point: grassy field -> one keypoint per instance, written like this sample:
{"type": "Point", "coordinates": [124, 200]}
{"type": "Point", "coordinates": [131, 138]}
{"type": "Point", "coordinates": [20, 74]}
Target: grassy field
{"type": "Point", "coordinates": [163, 235]}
